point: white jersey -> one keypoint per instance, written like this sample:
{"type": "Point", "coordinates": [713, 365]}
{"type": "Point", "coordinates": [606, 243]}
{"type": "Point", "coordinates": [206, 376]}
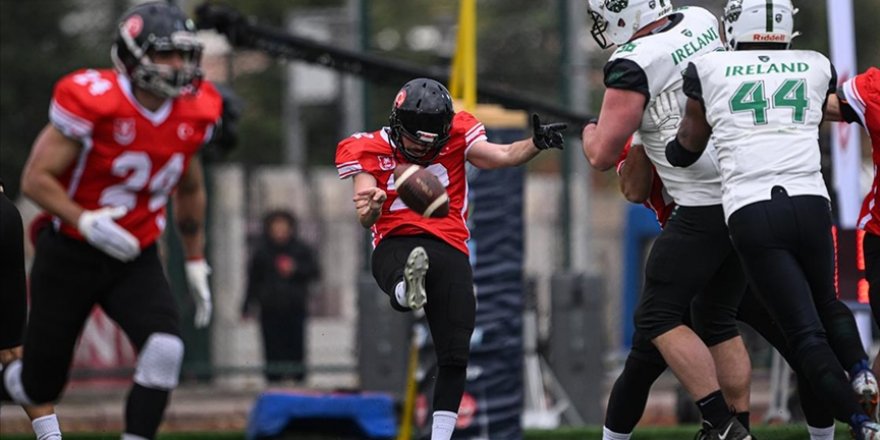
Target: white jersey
{"type": "Point", "coordinates": [765, 108]}
{"type": "Point", "coordinates": [652, 65]}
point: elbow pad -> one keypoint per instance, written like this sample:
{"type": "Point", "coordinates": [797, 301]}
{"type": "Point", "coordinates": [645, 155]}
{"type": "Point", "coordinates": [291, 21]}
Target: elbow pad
{"type": "Point", "coordinates": [678, 156]}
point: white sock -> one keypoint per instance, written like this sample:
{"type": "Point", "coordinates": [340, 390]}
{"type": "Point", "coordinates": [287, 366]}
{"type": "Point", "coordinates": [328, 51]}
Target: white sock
{"type": "Point", "coordinates": [608, 434]}
{"type": "Point", "coordinates": [400, 294]}
{"type": "Point", "coordinates": [444, 424]}
{"type": "Point", "coordinates": [821, 433]}
{"type": "Point", "coordinates": [46, 427]}
{"type": "Point", "coordinates": [127, 436]}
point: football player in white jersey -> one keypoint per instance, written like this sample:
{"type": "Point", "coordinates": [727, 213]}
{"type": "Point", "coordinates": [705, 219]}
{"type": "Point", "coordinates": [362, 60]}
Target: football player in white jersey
{"type": "Point", "coordinates": [693, 258]}
{"type": "Point", "coordinates": [762, 105]}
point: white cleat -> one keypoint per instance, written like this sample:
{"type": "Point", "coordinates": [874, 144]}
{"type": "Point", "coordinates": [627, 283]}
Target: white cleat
{"type": "Point", "coordinates": [868, 431]}
{"type": "Point", "coordinates": [865, 386]}
{"type": "Point", "coordinates": [414, 275]}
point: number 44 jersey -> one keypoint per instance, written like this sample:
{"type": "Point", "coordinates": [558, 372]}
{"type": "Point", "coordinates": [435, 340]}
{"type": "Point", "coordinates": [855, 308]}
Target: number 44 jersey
{"type": "Point", "coordinates": [130, 156]}
{"type": "Point", "coordinates": [765, 108]}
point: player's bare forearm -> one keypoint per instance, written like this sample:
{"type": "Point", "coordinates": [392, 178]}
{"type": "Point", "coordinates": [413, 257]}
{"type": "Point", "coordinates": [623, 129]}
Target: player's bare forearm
{"type": "Point", "coordinates": [636, 175]}
{"type": "Point", "coordinates": [368, 199]}
{"type": "Point", "coordinates": [621, 116]}
{"type": "Point", "coordinates": [369, 219]}
{"type": "Point", "coordinates": [487, 155]}
{"type": "Point", "coordinates": [832, 109]}
{"type": "Point", "coordinates": [51, 156]}
{"type": "Point", "coordinates": [190, 202]}
{"type": "Point", "coordinates": [516, 153]}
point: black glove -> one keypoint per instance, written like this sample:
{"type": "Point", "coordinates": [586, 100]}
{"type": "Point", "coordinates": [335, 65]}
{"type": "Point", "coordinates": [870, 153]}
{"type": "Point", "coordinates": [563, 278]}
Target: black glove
{"type": "Point", "coordinates": [546, 136]}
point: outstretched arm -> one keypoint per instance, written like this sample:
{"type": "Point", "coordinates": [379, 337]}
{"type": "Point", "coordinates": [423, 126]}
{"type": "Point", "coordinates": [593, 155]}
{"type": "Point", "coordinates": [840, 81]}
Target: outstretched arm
{"type": "Point", "coordinates": [488, 155]}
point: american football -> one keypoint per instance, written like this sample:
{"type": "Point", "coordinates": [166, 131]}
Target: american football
{"type": "Point", "coordinates": [421, 191]}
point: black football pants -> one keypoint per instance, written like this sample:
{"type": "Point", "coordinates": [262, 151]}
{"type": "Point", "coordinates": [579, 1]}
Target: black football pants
{"type": "Point", "coordinates": [788, 255]}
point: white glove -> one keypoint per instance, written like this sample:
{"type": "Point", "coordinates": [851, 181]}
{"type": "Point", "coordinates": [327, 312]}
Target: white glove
{"type": "Point", "coordinates": [102, 232]}
{"type": "Point", "coordinates": [666, 114]}
{"type": "Point", "coordinates": [197, 272]}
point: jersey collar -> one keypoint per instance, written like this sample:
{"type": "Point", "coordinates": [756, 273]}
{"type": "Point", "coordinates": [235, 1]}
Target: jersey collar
{"type": "Point", "coordinates": [156, 117]}
{"type": "Point", "coordinates": [385, 137]}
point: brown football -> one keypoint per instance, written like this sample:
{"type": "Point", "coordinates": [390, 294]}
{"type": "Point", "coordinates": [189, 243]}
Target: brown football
{"type": "Point", "coordinates": [421, 191]}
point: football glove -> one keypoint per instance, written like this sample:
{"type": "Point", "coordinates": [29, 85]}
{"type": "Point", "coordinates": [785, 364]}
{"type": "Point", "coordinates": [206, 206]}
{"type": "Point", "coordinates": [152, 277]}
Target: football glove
{"type": "Point", "coordinates": [102, 232]}
{"type": "Point", "coordinates": [197, 272]}
{"type": "Point", "coordinates": [666, 115]}
{"type": "Point", "coordinates": [546, 136]}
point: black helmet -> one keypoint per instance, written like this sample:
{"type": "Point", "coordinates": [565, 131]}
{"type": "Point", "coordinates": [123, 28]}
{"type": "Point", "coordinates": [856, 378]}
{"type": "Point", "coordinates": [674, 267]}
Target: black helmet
{"type": "Point", "coordinates": [422, 113]}
{"type": "Point", "coordinates": [157, 27]}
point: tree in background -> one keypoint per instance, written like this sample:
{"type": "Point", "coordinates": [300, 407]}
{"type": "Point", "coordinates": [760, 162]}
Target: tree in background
{"type": "Point", "coordinates": [518, 43]}
{"type": "Point", "coordinates": [39, 42]}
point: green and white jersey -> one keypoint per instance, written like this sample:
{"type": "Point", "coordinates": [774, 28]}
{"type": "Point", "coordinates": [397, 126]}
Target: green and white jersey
{"type": "Point", "coordinates": [765, 108]}
{"type": "Point", "coordinates": [652, 65]}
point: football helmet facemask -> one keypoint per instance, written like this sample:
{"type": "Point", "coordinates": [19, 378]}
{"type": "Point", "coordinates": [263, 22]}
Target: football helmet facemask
{"type": "Point", "coordinates": [759, 21]}
{"type": "Point", "coordinates": [422, 114]}
{"type": "Point", "coordinates": [153, 27]}
{"type": "Point", "coordinates": [619, 20]}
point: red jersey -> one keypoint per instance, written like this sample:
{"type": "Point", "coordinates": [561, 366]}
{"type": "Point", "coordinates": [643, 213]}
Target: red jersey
{"type": "Point", "coordinates": [862, 93]}
{"type": "Point", "coordinates": [130, 156]}
{"type": "Point", "coordinates": [373, 153]}
{"type": "Point", "coordinates": [659, 200]}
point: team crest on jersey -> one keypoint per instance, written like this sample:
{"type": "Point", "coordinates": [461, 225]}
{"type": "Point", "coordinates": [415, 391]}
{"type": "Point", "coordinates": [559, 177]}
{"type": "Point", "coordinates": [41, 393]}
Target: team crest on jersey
{"type": "Point", "coordinates": [386, 163]}
{"type": "Point", "coordinates": [185, 131]}
{"type": "Point", "coordinates": [124, 131]}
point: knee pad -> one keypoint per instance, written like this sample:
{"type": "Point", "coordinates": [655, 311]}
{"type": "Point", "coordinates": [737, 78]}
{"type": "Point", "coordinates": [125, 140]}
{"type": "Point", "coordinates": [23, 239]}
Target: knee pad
{"type": "Point", "coordinates": [158, 365]}
{"type": "Point", "coordinates": [11, 375]}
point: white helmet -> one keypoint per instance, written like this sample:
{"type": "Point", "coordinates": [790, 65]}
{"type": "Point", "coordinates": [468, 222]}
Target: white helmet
{"type": "Point", "coordinates": [759, 21]}
{"type": "Point", "coordinates": [621, 19]}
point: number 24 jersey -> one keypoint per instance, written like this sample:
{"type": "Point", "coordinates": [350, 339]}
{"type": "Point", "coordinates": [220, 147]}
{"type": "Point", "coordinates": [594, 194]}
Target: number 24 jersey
{"type": "Point", "coordinates": [130, 156]}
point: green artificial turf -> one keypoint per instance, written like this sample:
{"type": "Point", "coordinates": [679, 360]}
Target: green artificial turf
{"type": "Point", "coordinates": [780, 432]}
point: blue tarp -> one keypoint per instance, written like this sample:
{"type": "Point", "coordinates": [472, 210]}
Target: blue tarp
{"type": "Point", "coordinates": [276, 410]}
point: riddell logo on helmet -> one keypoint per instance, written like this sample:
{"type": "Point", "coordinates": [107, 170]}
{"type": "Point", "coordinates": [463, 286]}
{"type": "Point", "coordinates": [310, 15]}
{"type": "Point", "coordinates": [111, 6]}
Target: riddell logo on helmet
{"type": "Point", "coordinates": [134, 25]}
{"type": "Point", "coordinates": [398, 100]}
{"type": "Point", "coordinates": [770, 37]}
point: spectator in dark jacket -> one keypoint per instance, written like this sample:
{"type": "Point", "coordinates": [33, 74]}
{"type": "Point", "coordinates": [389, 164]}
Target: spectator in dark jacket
{"type": "Point", "coordinates": [279, 274]}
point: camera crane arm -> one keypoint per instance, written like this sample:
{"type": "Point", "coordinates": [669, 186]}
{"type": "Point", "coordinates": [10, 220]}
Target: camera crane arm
{"type": "Point", "coordinates": [242, 32]}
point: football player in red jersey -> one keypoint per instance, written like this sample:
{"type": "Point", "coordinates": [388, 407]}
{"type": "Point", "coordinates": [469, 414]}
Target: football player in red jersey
{"type": "Point", "coordinates": [118, 145]}
{"type": "Point", "coordinates": [13, 309]}
{"type": "Point", "coordinates": [858, 100]}
{"type": "Point", "coordinates": [425, 130]}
